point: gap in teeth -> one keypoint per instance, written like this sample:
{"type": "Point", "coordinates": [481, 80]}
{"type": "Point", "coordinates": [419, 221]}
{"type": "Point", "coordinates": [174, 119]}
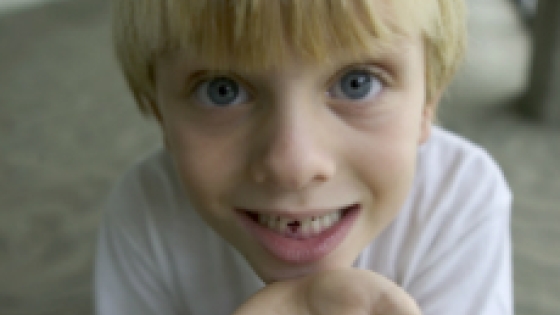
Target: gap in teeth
{"type": "Point", "coordinates": [299, 228]}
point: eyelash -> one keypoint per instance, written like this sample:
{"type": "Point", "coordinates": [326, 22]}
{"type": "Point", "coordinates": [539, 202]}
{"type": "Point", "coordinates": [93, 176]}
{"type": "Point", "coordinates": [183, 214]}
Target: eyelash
{"type": "Point", "coordinates": [376, 72]}
{"type": "Point", "coordinates": [380, 75]}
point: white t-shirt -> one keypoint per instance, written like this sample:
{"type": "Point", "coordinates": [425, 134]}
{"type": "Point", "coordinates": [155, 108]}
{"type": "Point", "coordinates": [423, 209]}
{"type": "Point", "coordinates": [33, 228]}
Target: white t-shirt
{"type": "Point", "coordinates": [449, 247]}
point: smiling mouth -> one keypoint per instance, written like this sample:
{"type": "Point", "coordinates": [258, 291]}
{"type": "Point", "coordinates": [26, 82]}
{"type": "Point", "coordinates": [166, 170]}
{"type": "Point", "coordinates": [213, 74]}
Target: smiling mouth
{"type": "Point", "coordinates": [302, 227]}
{"type": "Point", "coordinates": [300, 237]}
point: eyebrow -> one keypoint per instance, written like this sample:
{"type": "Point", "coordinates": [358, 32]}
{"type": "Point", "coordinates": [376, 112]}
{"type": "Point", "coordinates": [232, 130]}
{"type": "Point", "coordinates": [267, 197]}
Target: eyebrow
{"type": "Point", "coordinates": [390, 56]}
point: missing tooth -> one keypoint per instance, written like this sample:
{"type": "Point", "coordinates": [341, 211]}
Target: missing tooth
{"type": "Point", "coordinates": [294, 226]}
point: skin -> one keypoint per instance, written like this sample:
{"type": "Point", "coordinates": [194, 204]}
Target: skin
{"type": "Point", "coordinates": [343, 291]}
{"type": "Point", "coordinates": [295, 145]}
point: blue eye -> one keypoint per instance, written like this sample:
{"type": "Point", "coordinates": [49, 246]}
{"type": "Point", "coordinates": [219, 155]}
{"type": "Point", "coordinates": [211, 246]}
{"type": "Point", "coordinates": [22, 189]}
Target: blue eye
{"type": "Point", "coordinates": [221, 92]}
{"type": "Point", "coordinates": [357, 85]}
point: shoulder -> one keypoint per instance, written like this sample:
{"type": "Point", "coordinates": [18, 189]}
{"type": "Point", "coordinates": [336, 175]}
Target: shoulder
{"type": "Point", "coordinates": [447, 151]}
{"type": "Point", "coordinates": [456, 218]}
{"type": "Point", "coordinates": [149, 202]}
{"type": "Point", "coordinates": [147, 208]}
{"type": "Point", "coordinates": [136, 205]}
{"type": "Point", "coordinates": [149, 189]}
{"type": "Point", "coordinates": [459, 214]}
{"type": "Point", "coordinates": [459, 191]}
{"type": "Point", "coordinates": [149, 180]}
{"type": "Point", "coordinates": [453, 169]}
{"type": "Point", "coordinates": [158, 237]}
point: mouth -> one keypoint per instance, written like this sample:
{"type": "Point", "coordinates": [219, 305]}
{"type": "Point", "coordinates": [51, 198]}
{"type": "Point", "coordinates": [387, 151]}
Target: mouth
{"type": "Point", "coordinates": [300, 238]}
{"type": "Point", "coordinates": [300, 228]}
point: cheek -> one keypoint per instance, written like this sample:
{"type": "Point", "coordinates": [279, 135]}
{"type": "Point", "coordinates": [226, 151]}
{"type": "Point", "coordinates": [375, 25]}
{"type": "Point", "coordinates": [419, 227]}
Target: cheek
{"type": "Point", "coordinates": [208, 166]}
{"type": "Point", "coordinates": [209, 170]}
{"type": "Point", "coordinates": [387, 169]}
{"type": "Point", "coordinates": [384, 157]}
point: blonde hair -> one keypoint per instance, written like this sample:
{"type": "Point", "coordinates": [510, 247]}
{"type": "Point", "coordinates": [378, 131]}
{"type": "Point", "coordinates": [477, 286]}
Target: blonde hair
{"type": "Point", "coordinates": [256, 34]}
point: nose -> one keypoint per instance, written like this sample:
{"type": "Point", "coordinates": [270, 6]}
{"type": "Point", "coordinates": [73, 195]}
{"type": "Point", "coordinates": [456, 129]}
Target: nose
{"type": "Point", "coordinates": [294, 153]}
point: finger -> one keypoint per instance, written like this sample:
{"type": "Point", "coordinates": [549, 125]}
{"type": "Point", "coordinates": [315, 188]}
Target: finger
{"type": "Point", "coordinates": [279, 298]}
{"type": "Point", "coordinates": [357, 292]}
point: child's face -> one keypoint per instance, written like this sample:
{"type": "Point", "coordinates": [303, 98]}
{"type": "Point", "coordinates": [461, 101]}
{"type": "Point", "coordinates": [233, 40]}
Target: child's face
{"type": "Point", "coordinates": [301, 166]}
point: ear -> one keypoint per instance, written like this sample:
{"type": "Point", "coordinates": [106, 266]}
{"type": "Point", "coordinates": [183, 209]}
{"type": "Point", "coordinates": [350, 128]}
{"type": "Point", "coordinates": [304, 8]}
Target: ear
{"type": "Point", "coordinates": [427, 120]}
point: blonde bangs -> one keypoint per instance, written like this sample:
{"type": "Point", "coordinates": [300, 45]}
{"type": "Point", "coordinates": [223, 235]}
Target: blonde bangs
{"type": "Point", "coordinates": [258, 34]}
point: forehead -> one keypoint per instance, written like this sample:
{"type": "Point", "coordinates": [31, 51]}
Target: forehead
{"type": "Point", "coordinates": [254, 35]}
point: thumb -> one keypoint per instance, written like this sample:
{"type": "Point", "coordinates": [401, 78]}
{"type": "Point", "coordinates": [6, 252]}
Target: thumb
{"type": "Point", "coordinates": [357, 291]}
{"type": "Point", "coordinates": [278, 298]}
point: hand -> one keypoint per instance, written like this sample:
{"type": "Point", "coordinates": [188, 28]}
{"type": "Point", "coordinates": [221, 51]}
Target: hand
{"type": "Point", "coordinates": [333, 292]}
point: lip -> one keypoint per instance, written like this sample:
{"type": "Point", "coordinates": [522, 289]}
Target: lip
{"type": "Point", "coordinates": [300, 251]}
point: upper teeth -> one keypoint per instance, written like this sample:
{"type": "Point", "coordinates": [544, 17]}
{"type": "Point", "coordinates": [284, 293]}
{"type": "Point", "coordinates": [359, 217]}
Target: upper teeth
{"type": "Point", "coordinates": [306, 227]}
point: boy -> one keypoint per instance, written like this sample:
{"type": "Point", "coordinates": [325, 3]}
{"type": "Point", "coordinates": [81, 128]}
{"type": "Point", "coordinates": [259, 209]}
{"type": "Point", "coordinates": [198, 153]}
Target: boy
{"type": "Point", "coordinates": [301, 164]}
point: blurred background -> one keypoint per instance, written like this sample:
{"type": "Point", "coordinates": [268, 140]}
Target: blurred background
{"type": "Point", "coordinates": [68, 129]}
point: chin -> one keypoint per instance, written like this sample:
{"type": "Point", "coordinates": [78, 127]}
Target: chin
{"type": "Point", "coordinates": [275, 271]}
